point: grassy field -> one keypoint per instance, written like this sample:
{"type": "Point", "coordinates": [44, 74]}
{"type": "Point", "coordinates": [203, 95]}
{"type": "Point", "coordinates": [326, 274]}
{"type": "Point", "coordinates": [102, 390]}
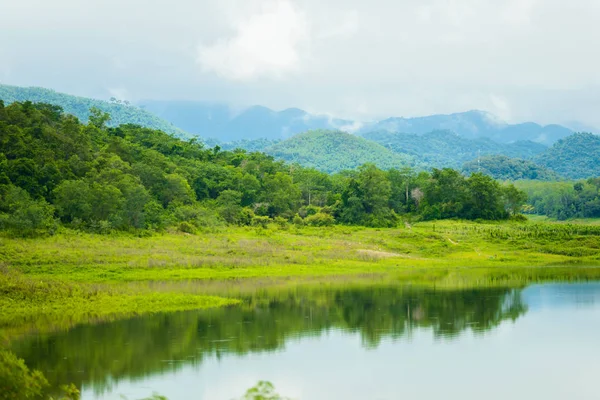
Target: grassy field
{"type": "Point", "coordinates": [80, 276]}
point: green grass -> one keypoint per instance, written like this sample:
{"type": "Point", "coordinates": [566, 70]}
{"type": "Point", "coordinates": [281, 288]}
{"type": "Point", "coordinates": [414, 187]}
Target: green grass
{"type": "Point", "coordinates": [76, 277]}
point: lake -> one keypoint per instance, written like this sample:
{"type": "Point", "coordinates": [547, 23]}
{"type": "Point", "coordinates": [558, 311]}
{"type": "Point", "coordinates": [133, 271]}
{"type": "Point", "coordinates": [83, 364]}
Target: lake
{"type": "Point", "coordinates": [348, 342]}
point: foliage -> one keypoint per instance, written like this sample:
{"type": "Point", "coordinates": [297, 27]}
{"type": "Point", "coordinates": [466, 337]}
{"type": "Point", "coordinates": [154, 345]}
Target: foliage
{"type": "Point", "coordinates": [17, 382]}
{"type": "Point", "coordinates": [563, 200]}
{"type": "Point", "coordinates": [120, 111]}
{"type": "Point", "coordinates": [263, 390]}
{"type": "Point", "coordinates": [333, 151]}
{"type": "Point", "coordinates": [506, 168]}
{"type": "Point", "coordinates": [441, 149]}
{"type": "Point", "coordinates": [132, 179]}
{"type": "Point", "coordinates": [574, 157]}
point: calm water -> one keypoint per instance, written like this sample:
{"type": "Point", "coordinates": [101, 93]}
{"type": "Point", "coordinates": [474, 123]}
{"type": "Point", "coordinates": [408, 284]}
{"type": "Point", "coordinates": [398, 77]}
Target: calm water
{"type": "Point", "coordinates": [541, 342]}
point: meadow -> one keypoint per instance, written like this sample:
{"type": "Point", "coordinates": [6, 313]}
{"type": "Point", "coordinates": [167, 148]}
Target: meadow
{"type": "Point", "coordinates": [80, 276]}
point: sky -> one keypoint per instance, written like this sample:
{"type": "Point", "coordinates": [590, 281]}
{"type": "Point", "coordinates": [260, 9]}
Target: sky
{"type": "Point", "coordinates": [518, 59]}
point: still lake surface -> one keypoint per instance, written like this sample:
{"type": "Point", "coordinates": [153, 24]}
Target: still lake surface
{"type": "Point", "coordinates": [380, 342]}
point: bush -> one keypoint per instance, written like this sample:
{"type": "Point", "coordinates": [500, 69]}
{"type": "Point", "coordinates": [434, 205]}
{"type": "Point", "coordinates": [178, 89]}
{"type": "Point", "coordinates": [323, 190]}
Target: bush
{"type": "Point", "coordinates": [319, 219]}
{"type": "Point", "coordinates": [186, 227]}
{"type": "Point", "coordinates": [518, 218]}
{"type": "Point", "coordinates": [281, 222]}
{"type": "Point", "coordinates": [17, 381]}
{"type": "Point", "coordinates": [298, 221]}
{"type": "Point", "coordinates": [261, 220]}
{"type": "Point", "coordinates": [246, 216]}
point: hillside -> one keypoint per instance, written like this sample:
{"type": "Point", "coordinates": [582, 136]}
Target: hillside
{"type": "Point", "coordinates": [472, 125]}
{"type": "Point", "coordinates": [576, 157]}
{"type": "Point", "coordinates": [226, 124]}
{"type": "Point", "coordinates": [441, 149]}
{"type": "Point", "coordinates": [332, 151]}
{"type": "Point", "coordinates": [120, 113]}
{"type": "Point", "coordinates": [506, 168]}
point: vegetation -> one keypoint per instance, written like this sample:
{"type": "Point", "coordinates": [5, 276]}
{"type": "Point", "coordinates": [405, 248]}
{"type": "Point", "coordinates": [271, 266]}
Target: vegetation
{"type": "Point", "coordinates": [121, 111]}
{"type": "Point", "coordinates": [574, 157]}
{"type": "Point", "coordinates": [448, 149]}
{"type": "Point", "coordinates": [563, 200]}
{"type": "Point", "coordinates": [505, 168]}
{"type": "Point", "coordinates": [334, 151]}
{"type": "Point", "coordinates": [130, 178]}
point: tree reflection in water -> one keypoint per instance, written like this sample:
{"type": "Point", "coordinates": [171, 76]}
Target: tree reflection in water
{"type": "Point", "coordinates": [102, 354]}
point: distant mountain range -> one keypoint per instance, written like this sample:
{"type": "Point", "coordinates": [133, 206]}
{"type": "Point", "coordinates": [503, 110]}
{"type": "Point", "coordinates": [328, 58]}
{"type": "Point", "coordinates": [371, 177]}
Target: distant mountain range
{"type": "Point", "coordinates": [506, 151]}
{"type": "Point", "coordinates": [221, 122]}
{"type": "Point", "coordinates": [225, 124]}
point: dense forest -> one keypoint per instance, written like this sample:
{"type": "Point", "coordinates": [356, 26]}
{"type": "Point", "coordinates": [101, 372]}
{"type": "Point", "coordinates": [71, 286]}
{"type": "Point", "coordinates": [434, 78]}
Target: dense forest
{"type": "Point", "coordinates": [576, 156]}
{"type": "Point", "coordinates": [506, 168]}
{"type": "Point", "coordinates": [448, 149]}
{"type": "Point", "coordinates": [334, 151]}
{"type": "Point", "coordinates": [563, 200]}
{"type": "Point", "coordinates": [56, 170]}
{"type": "Point", "coordinates": [121, 112]}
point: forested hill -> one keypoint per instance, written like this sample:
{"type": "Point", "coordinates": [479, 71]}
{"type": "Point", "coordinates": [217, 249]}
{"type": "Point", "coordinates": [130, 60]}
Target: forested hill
{"type": "Point", "coordinates": [577, 156]}
{"type": "Point", "coordinates": [440, 149]}
{"type": "Point", "coordinates": [473, 125]}
{"type": "Point", "coordinates": [56, 171]}
{"type": "Point", "coordinates": [120, 112]}
{"type": "Point", "coordinates": [506, 168]}
{"type": "Point", "coordinates": [333, 151]}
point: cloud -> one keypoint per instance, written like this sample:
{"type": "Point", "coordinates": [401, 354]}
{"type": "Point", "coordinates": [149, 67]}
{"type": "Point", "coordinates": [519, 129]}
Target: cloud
{"type": "Point", "coordinates": [119, 93]}
{"type": "Point", "coordinates": [267, 43]}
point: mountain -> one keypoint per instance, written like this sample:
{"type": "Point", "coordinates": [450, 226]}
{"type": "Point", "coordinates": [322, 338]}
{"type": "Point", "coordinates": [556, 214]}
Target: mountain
{"type": "Point", "coordinates": [576, 156]}
{"type": "Point", "coordinates": [221, 122]}
{"type": "Point", "coordinates": [333, 151]}
{"type": "Point", "coordinates": [506, 168]}
{"type": "Point", "coordinates": [472, 125]}
{"type": "Point", "coordinates": [120, 113]}
{"type": "Point", "coordinates": [447, 149]}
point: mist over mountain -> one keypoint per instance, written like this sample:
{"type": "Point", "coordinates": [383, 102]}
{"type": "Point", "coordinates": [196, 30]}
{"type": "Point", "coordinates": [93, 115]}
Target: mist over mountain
{"type": "Point", "coordinates": [224, 123]}
{"type": "Point", "coordinates": [473, 125]}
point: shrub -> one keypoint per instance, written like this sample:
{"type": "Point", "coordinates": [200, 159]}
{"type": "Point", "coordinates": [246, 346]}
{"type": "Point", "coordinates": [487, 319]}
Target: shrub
{"type": "Point", "coordinates": [298, 220]}
{"type": "Point", "coordinates": [186, 227]}
{"type": "Point", "coordinates": [319, 219]}
{"type": "Point", "coordinates": [261, 220]}
{"type": "Point", "coordinates": [17, 381]}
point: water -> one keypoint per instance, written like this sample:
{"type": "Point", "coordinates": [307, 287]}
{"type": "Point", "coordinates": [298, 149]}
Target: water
{"type": "Point", "coordinates": [380, 342]}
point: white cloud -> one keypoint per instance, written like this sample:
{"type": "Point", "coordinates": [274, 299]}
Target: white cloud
{"type": "Point", "coordinates": [347, 26]}
{"type": "Point", "coordinates": [500, 107]}
{"type": "Point", "coordinates": [267, 43]}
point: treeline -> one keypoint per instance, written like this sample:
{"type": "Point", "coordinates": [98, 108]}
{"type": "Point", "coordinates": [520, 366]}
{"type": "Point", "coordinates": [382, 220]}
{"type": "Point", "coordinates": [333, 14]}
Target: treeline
{"type": "Point", "coordinates": [563, 200]}
{"type": "Point", "coordinates": [56, 170]}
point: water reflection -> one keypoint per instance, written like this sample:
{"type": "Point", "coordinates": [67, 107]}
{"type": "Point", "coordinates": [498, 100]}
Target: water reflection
{"type": "Point", "coordinates": [101, 355]}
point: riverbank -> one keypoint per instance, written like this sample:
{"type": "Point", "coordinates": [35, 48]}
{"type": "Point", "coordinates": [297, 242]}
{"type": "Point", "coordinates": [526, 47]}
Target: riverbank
{"type": "Point", "coordinates": [79, 276]}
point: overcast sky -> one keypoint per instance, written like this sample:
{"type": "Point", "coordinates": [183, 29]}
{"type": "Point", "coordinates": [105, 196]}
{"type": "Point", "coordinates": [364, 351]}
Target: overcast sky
{"type": "Point", "coordinates": [519, 59]}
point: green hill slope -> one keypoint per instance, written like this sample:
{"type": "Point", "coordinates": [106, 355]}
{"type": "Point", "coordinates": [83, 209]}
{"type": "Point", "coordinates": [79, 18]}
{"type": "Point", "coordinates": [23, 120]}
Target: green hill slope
{"type": "Point", "coordinates": [121, 113]}
{"type": "Point", "coordinates": [576, 156]}
{"type": "Point", "coordinates": [441, 149]}
{"type": "Point", "coordinates": [506, 168]}
{"type": "Point", "coordinates": [332, 151]}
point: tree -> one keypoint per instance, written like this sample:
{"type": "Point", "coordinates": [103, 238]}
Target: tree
{"type": "Point", "coordinates": [374, 187]}
{"type": "Point", "coordinates": [72, 200]}
{"type": "Point", "coordinates": [230, 207]}
{"type": "Point", "coordinates": [514, 199]}
{"type": "Point", "coordinates": [22, 215]}
{"type": "Point", "coordinates": [98, 118]}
